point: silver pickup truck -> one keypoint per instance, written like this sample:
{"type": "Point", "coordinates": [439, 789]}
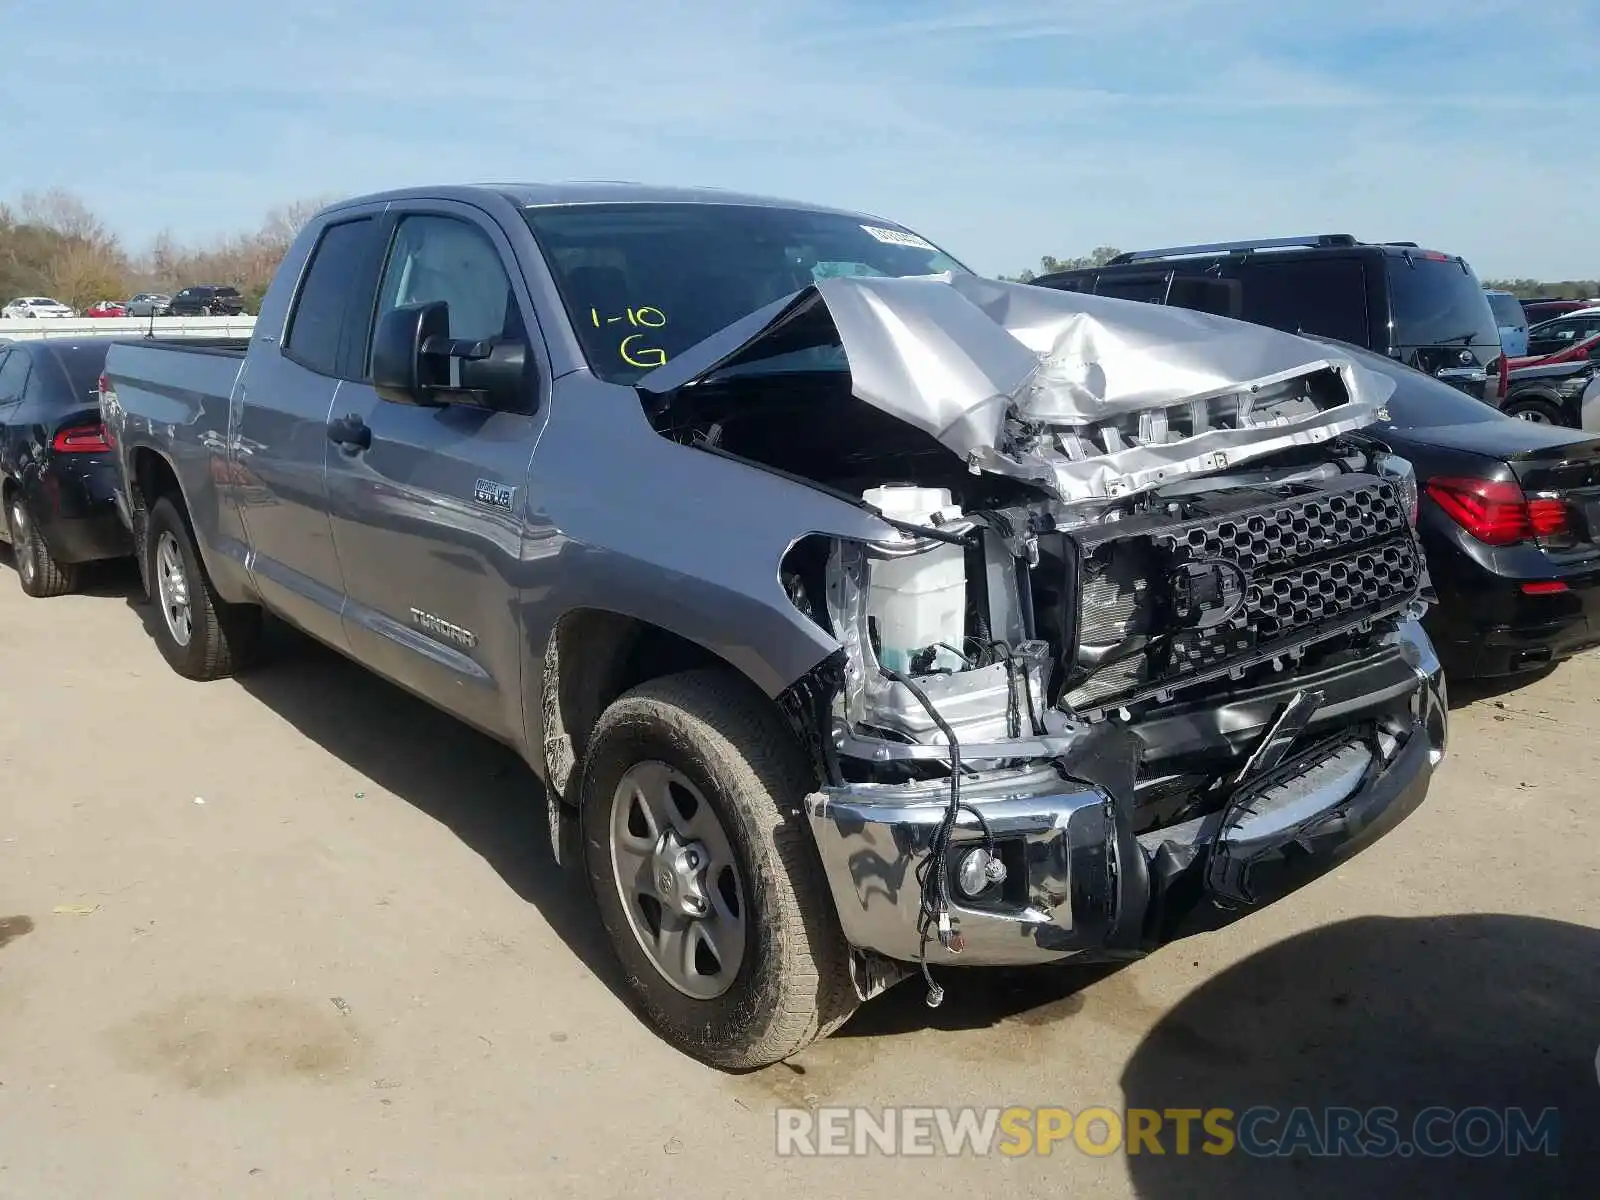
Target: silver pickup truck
{"type": "Point", "coordinates": [869, 616]}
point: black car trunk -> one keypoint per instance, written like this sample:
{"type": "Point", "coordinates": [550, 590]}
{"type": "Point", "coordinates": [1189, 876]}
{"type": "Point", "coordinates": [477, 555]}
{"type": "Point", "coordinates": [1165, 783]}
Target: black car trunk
{"type": "Point", "coordinates": [1568, 474]}
{"type": "Point", "coordinates": [1547, 461]}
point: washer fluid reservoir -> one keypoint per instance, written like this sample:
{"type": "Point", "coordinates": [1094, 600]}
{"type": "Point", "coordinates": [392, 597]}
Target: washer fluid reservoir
{"type": "Point", "coordinates": [919, 600]}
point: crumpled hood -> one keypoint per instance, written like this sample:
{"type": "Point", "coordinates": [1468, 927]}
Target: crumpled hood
{"type": "Point", "coordinates": [1090, 396]}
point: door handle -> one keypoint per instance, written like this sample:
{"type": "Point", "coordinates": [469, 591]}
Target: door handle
{"type": "Point", "coordinates": [350, 433]}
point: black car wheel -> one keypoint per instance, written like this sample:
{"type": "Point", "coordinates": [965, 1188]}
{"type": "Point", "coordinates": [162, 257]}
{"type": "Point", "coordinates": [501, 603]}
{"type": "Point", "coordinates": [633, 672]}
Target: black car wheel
{"type": "Point", "coordinates": [1535, 409]}
{"type": "Point", "coordinates": [39, 573]}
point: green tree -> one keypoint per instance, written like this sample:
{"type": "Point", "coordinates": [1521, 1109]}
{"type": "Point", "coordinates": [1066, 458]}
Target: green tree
{"type": "Point", "coordinates": [1566, 289]}
{"type": "Point", "coordinates": [1049, 264]}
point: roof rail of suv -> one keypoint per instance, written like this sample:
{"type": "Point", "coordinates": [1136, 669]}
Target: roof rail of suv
{"type": "Point", "coordinates": [1309, 241]}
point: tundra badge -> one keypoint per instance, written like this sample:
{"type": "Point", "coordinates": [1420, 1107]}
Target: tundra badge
{"type": "Point", "coordinates": [499, 495]}
{"type": "Point", "coordinates": [464, 638]}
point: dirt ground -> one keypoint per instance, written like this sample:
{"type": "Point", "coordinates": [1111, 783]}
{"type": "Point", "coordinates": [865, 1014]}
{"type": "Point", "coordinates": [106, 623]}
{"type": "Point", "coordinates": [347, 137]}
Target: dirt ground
{"type": "Point", "coordinates": [298, 935]}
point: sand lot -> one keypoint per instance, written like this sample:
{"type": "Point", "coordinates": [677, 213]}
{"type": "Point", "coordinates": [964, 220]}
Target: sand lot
{"type": "Point", "coordinates": [298, 935]}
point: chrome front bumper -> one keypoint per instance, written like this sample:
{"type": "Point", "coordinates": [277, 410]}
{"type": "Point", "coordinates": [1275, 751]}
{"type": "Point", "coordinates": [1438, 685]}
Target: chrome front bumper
{"type": "Point", "coordinates": [1078, 882]}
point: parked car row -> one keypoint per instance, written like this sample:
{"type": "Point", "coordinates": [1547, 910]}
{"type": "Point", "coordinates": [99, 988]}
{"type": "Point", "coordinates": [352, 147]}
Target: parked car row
{"type": "Point", "coordinates": [1110, 630]}
{"type": "Point", "coordinates": [201, 300]}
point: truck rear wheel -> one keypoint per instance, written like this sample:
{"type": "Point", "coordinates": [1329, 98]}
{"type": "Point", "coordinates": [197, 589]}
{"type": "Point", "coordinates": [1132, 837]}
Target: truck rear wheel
{"type": "Point", "coordinates": [706, 875]}
{"type": "Point", "coordinates": [201, 635]}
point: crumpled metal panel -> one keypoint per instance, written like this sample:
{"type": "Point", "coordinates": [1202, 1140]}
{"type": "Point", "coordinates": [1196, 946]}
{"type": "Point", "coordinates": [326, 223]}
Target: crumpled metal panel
{"type": "Point", "coordinates": [966, 359]}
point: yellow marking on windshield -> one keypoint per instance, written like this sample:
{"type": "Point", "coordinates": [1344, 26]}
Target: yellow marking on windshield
{"type": "Point", "coordinates": [650, 318]}
{"type": "Point", "coordinates": [638, 358]}
{"type": "Point", "coordinates": [633, 354]}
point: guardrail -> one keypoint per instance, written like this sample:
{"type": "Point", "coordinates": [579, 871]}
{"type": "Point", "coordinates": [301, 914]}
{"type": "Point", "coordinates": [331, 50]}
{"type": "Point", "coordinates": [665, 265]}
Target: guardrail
{"type": "Point", "coordinates": [17, 329]}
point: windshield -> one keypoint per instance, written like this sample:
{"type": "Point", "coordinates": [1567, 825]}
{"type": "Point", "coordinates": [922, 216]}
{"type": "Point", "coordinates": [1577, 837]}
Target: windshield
{"type": "Point", "coordinates": [1438, 303]}
{"type": "Point", "coordinates": [644, 282]}
{"type": "Point", "coordinates": [1507, 310]}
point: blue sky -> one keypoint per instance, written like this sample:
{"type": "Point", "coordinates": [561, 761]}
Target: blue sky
{"type": "Point", "coordinates": [1001, 130]}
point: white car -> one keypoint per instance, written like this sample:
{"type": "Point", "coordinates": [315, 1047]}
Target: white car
{"type": "Point", "coordinates": [36, 306]}
{"type": "Point", "coordinates": [1589, 406]}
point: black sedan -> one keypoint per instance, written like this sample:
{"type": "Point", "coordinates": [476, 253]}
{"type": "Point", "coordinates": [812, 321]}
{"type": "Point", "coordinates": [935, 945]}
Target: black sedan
{"type": "Point", "coordinates": [1509, 516]}
{"type": "Point", "coordinates": [56, 470]}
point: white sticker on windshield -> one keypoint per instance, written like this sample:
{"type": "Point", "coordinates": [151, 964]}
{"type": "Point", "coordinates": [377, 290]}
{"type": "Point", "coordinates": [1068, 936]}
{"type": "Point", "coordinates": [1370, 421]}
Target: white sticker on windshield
{"type": "Point", "coordinates": [898, 237]}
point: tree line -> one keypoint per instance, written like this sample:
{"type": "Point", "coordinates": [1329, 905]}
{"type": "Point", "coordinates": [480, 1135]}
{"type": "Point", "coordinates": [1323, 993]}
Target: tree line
{"type": "Point", "coordinates": [1525, 289]}
{"type": "Point", "coordinates": [53, 244]}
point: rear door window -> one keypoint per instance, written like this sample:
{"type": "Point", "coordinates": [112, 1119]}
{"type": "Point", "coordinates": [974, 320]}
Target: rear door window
{"type": "Point", "coordinates": [1222, 297]}
{"type": "Point", "coordinates": [317, 322]}
{"type": "Point", "coordinates": [1149, 288]}
{"type": "Point", "coordinates": [1326, 295]}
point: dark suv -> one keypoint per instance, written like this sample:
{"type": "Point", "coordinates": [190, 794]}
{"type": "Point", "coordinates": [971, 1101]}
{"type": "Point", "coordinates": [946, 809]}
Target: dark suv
{"type": "Point", "coordinates": [207, 300]}
{"type": "Point", "coordinates": [1424, 308]}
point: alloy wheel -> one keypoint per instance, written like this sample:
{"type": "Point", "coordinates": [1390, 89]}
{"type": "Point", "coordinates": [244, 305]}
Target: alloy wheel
{"type": "Point", "coordinates": [22, 541]}
{"type": "Point", "coordinates": [172, 589]}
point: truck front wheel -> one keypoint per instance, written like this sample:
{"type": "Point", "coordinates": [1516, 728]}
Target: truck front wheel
{"type": "Point", "coordinates": [706, 875]}
{"type": "Point", "coordinates": [201, 635]}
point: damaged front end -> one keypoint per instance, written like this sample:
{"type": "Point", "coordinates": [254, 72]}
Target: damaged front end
{"type": "Point", "coordinates": [1143, 652]}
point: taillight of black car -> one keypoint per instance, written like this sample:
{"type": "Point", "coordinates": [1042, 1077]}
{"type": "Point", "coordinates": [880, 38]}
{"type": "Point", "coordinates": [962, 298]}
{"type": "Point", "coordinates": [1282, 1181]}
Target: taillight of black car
{"type": "Point", "coordinates": [1499, 513]}
{"type": "Point", "coordinates": [81, 439]}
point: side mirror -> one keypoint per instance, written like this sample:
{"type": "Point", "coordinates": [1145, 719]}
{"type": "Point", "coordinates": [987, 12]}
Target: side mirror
{"type": "Point", "coordinates": [398, 374]}
{"type": "Point", "coordinates": [498, 375]}
{"type": "Point", "coordinates": [416, 361]}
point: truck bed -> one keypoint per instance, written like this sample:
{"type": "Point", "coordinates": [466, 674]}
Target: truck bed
{"type": "Point", "coordinates": [167, 380]}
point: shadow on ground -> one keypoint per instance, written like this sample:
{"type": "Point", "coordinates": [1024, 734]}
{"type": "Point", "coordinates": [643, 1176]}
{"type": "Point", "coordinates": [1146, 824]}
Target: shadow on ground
{"type": "Point", "coordinates": [117, 577]}
{"type": "Point", "coordinates": [1468, 691]}
{"type": "Point", "coordinates": [977, 999]}
{"type": "Point", "coordinates": [1488, 1011]}
{"type": "Point", "coordinates": [477, 788]}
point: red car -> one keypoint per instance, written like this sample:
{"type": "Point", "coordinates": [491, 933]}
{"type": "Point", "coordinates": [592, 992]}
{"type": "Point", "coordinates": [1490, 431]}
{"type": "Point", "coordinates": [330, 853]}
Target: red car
{"type": "Point", "coordinates": [1588, 347]}
{"type": "Point", "coordinates": [107, 308]}
{"type": "Point", "coordinates": [1543, 308]}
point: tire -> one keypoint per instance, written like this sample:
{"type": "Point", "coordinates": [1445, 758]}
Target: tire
{"type": "Point", "coordinates": [200, 635]}
{"type": "Point", "coordinates": [1534, 408]}
{"type": "Point", "coordinates": [40, 574]}
{"type": "Point", "coordinates": [712, 733]}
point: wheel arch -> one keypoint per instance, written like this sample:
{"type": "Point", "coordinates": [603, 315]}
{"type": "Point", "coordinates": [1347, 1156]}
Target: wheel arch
{"type": "Point", "coordinates": [1542, 395]}
{"type": "Point", "coordinates": [151, 476]}
{"type": "Point", "coordinates": [591, 657]}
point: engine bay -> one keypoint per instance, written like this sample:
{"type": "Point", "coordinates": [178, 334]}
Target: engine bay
{"type": "Point", "coordinates": [1010, 632]}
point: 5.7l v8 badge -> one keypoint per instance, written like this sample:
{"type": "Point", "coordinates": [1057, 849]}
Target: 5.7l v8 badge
{"type": "Point", "coordinates": [496, 495]}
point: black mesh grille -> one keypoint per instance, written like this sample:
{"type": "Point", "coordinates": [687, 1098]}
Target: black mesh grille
{"type": "Point", "coordinates": [1309, 567]}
